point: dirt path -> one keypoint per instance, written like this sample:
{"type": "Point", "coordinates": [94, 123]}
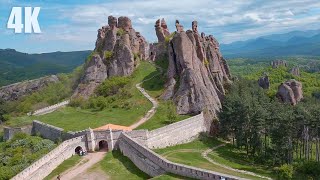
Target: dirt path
{"type": "Point", "coordinates": [205, 153]}
{"type": "Point", "coordinates": [154, 102]}
{"type": "Point", "coordinates": [86, 163]}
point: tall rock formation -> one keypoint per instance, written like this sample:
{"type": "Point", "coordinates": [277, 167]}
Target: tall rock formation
{"type": "Point", "coordinates": [279, 63]}
{"type": "Point", "coordinates": [15, 91]}
{"type": "Point", "coordinates": [118, 47]}
{"type": "Point", "coordinates": [295, 71]}
{"type": "Point", "coordinates": [290, 92]}
{"type": "Point", "coordinates": [264, 81]}
{"type": "Point", "coordinates": [159, 50]}
{"type": "Point", "coordinates": [196, 74]}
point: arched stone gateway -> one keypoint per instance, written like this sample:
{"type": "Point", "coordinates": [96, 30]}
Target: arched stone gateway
{"type": "Point", "coordinates": [78, 150]}
{"type": "Point", "coordinates": [103, 145]}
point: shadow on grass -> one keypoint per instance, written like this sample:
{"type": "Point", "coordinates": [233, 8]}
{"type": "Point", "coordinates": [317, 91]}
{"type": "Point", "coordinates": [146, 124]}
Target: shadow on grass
{"type": "Point", "coordinates": [128, 164]}
{"type": "Point", "coordinates": [232, 154]}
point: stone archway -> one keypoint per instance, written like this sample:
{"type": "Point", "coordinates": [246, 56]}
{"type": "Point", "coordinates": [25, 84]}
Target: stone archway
{"type": "Point", "coordinates": [78, 149]}
{"type": "Point", "coordinates": [103, 145]}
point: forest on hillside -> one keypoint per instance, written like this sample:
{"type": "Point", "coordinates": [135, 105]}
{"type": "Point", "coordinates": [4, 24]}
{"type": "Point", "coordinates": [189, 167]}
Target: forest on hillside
{"type": "Point", "coordinates": [273, 133]}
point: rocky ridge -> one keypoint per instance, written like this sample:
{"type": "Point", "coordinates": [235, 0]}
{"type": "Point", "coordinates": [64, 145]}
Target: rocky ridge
{"type": "Point", "coordinates": [118, 49]}
{"type": "Point", "coordinates": [197, 72]}
{"type": "Point", "coordinates": [15, 91]}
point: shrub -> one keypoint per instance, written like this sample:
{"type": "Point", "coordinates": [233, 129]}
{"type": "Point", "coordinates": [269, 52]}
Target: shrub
{"type": "Point", "coordinates": [206, 62]}
{"type": "Point", "coordinates": [120, 32]}
{"type": "Point", "coordinates": [284, 172]}
{"type": "Point", "coordinates": [111, 86]}
{"type": "Point", "coordinates": [310, 168]}
{"type": "Point", "coordinates": [108, 55]}
{"type": "Point", "coordinates": [77, 102]}
{"type": "Point", "coordinates": [171, 112]}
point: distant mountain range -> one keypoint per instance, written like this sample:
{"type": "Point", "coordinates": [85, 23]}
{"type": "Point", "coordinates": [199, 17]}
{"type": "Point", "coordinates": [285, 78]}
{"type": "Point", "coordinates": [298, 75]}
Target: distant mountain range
{"type": "Point", "coordinates": [17, 66]}
{"type": "Point", "coordinates": [306, 43]}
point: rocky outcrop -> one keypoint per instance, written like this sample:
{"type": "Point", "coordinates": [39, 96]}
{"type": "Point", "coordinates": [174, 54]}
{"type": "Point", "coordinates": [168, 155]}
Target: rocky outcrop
{"type": "Point", "coordinates": [196, 74]}
{"type": "Point", "coordinates": [279, 63]}
{"type": "Point", "coordinates": [118, 49]}
{"type": "Point", "coordinates": [295, 71]}
{"type": "Point", "coordinates": [290, 92]}
{"type": "Point", "coordinates": [162, 30]}
{"type": "Point", "coordinates": [15, 91]}
{"type": "Point", "coordinates": [264, 81]}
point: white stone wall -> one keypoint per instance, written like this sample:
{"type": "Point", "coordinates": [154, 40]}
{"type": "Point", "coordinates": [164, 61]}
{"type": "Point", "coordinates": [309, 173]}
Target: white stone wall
{"type": "Point", "coordinates": [154, 165]}
{"type": "Point", "coordinates": [49, 109]}
{"type": "Point", "coordinates": [176, 133]}
{"type": "Point", "coordinates": [44, 166]}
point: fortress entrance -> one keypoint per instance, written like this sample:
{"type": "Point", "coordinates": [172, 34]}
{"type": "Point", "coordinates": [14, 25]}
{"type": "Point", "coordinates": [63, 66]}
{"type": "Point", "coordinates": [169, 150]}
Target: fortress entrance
{"type": "Point", "coordinates": [103, 145]}
{"type": "Point", "coordinates": [78, 150]}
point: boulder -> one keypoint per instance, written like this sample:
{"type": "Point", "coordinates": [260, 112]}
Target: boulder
{"type": "Point", "coordinates": [264, 81]}
{"type": "Point", "coordinates": [117, 46]}
{"type": "Point", "coordinates": [16, 91]}
{"type": "Point", "coordinates": [290, 92]}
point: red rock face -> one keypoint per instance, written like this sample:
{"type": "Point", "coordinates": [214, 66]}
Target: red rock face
{"type": "Point", "coordinates": [116, 46]}
{"type": "Point", "coordinates": [197, 64]}
{"type": "Point", "coordinates": [290, 92]}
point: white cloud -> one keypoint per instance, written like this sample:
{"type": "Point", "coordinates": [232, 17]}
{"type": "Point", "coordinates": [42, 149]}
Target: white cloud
{"type": "Point", "coordinates": [228, 20]}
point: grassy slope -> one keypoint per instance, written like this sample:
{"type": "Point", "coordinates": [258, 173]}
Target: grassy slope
{"type": "Point", "coordinates": [192, 156]}
{"type": "Point", "coordinates": [77, 119]}
{"type": "Point", "coordinates": [119, 167]}
{"type": "Point", "coordinates": [67, 164]}
{"type": "Point", "coordinates": [155, 88]}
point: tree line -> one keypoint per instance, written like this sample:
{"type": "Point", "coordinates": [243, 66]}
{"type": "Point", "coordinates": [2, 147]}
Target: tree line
{"type": "Point", "coordinates": [269, 131]}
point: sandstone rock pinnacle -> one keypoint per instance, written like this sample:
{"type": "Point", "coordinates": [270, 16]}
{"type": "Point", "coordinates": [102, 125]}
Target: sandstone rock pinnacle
{"type": "Point", "coordinates": [117, 47]}
{"type": "Point", "coordinates": [290, 92]}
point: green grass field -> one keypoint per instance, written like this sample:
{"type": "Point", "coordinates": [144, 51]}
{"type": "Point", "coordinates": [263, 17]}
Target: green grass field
{"type": "Point", "coordinates": [74, 119]}
{"type": "Point", "coordinates": [119, 167]}
{"type": "Point", "coordinates": [190, 154]}
{"type": "Point", "coordinates": [67, 164]}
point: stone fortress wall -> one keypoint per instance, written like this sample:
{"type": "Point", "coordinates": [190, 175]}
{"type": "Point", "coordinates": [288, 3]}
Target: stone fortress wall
{"type": "Point", "coordinates": [44, 166]}
{"type": "Point", "coordinates": [49, 109]}
{"type": "Point", "coordinates": [155, 165]}
{"type": "Point", "coordinates": [136, 145]}
{"type": "Point", "coordinates": [9, 132]}
{"type": "Point", "coordinates": [176, 133]}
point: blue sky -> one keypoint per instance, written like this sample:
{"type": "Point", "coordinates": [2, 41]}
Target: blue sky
{"type": "Point", "coordinates": [72, 24]}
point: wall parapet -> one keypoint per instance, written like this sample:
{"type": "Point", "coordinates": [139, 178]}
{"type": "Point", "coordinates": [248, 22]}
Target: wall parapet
{"type": "Point", "coordinates": [49, 109]}
{"type": "Point", "coordinates": [164, 164]}
{"type": "Point", "coordinates": [45, 165]}
{"type": "Point", "coordinates": [177, 133]}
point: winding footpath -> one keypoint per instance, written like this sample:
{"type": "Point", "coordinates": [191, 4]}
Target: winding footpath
{"type": "Point", "coordinates": [80, 171]}
{"type": "Point", "coordinates": [154, 102]}
{"type": "Point", "coordinates": [205, 153]}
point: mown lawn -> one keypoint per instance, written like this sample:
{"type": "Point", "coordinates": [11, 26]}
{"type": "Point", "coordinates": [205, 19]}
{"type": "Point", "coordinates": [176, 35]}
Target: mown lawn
{"type": "Point", "coordinates": [190, 154]}
{"type": "Point", "coordinates": [119, 167]}
{"type": "Point", "coordinates": [67, 164]}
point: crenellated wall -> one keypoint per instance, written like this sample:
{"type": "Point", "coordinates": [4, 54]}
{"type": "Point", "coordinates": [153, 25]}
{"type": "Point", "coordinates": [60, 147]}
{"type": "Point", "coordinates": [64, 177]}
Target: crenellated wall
{"type": "Point", "coordinates": [44, 166]}
{"type": "Point", "coordinates": [49, 109]}
{"type": "Point", "coordinates": [176, 133]}
{"type": "Point", "coordinates": [155, 165]}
